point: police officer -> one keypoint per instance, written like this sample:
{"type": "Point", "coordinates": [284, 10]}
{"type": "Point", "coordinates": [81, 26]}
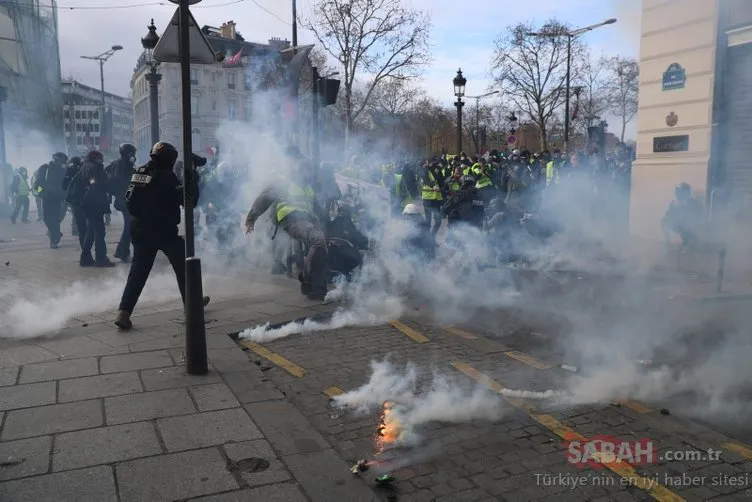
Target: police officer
{"type": "Point", "coordinates": [49, 186]}
{"type": "Point", "coordinates": [120, 172]}
{"type": "Point", "coordinates": [78, 226]}
{"type": "Point", "coordinates": [293, 206]}
{"type": "Point", "coordinates": [153, 200]}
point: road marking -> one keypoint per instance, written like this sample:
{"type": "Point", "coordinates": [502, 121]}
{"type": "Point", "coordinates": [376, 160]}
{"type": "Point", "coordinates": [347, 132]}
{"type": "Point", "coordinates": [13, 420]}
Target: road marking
{"type": "Point", "coordinates": [275, 358]}
{"type": "Point", "coordinates": [634, 406]}
{"type": "Point", "coordinates": [409, 332]}
{"type": "Point", "coordinates": [526, 359]}
{"type": "Point", "coordinates": [741, 449]}
{"type": "Point", "coordinates": [333, 391]}
{"type": "Point", "coordinates": [626, 471]}
{"type": "Point", "coordinates": [460, 332]}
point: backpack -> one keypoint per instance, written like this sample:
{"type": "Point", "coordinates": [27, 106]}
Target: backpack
{"type": "Point", "coordinates": [77, 190]}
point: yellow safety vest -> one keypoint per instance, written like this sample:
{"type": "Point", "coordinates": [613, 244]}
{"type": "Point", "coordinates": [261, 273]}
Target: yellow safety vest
{"type": "Point", "coordinates": [23, 187]}
{"type": "Point", "coordinates": [298, 199]}
{"type": "Point", "coordinates": [551, 173]}
{"type": "Point", "coordinates": [428, 192]}
{"type": "Point", "coordinates": [483, 180]}
{"type": "Point", "coordinates": [398, 190]}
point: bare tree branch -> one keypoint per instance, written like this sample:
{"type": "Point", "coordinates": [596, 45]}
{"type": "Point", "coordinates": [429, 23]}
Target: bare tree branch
{"type": "Point", "coordinates": [624, 75]}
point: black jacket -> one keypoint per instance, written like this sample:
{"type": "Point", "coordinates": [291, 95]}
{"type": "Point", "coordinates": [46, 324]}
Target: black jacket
{"type": "Point", "coordinates": [70, 173]}
{"type": "Point", "coordinates": [163, 198]}
{"type": "Point", "coordinates": [97, 198]}
{"type": "Point", "coordinates": [120, 172]}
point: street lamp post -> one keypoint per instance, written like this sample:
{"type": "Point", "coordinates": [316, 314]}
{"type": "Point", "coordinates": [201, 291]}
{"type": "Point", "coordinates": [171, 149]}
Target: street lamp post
{"type": "Point", "coordinates": [571, 35]}
{"type": "Point", "coordinates": [3, 97]}
{"type": "Point", "coordinates": [477, 117]}
{"type": "Point", "coordinates": [148, 43]}
{"type": "Point", "coordinates": [102, 59]}
{"type": "Point", "coordinates": [459, 91]}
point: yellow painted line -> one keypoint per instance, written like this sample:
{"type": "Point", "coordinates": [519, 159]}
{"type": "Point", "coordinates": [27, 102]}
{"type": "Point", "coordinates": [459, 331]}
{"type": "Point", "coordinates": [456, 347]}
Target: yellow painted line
{"type": "Point", "coordinates": [741, 449]}
{"type": "Point", "coordinates": [526, 359]}
{"type": "Point", "coordinates": [409, 332]}
{"type": "Point", "coordinates": [634, 406]}
{"type": "Point", "coordinates": [626, 471]}
{"type": "Point", "coordinates": [333, 391]}
{"type": "Point", "coordinates": [275, 358]}
{"type": "Point", "coordinates": [460, 332]}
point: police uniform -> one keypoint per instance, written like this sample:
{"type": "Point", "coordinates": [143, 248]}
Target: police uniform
{"type": "Point", "coordinates": [153, 199]}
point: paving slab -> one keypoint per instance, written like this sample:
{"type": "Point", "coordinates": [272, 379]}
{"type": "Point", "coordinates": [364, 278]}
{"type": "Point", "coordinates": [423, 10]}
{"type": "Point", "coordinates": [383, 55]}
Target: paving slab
{"type": "Point", "coordinates": [104, 445]}
{"type": "Point", "coordinates": [175, 476]}
{"type": "Point", "coordinates": [137, 361]}
{"type": "Point", "coordinates": [32, 455]}
{"type": "Point", "coordinates": [259, 449]}
{"type": "Point", "coordinates": [79, 346]}
{"type": "Point", "coordinates": [58, 370]}
{"type": "Point", "coordinates": [207, 429]}
{"type": "Point", "coordinates": [229, 360]}
{"type": "Point", "coordinates": [284, 492]}
{"type": "Point", "coordinates": [118, 339]}
{"type": "Point", "coordinates": [26, 354]}
{"type": "Point", "coordinates": [147, 406]}
{"type": "Point", "coordinates": [285, 427]}
{"type": "Point", "coordinates": [212, 397]}
{"type": "Point", "coordinates": [8, 376]}
{"type": "Point", "coordinates": [174, 377]}
{"type": "Point", "coordinates": [116, 384]}
{"type": "Point", "coordinates": [31, 422]}
{"type": "Point", "coordinates": [27, 396]}
{"type": "Point", "coordinates": [165, 342]}
{"type": "Point", "coordinates": [325, 477]}
{"type": "Point", "coordinates": [96, 484]}
{"type": "Point", "coordinates": [252, 386]}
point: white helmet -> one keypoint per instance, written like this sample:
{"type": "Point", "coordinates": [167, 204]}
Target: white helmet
{"type": "Point", "coordinates": [411, 209]}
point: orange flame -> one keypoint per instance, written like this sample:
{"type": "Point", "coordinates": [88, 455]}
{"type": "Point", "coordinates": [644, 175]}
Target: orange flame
{"type": "Point", "coordinates": [389, 427]}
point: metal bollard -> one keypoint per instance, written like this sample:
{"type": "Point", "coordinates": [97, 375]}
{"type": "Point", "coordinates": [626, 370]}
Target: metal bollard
{"type": "Point", "coordinates": [195, 330]}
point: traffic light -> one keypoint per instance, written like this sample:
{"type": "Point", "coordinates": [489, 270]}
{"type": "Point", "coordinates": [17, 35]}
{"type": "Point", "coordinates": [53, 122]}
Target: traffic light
{"type": "Point", "coordinates": [328, 90]}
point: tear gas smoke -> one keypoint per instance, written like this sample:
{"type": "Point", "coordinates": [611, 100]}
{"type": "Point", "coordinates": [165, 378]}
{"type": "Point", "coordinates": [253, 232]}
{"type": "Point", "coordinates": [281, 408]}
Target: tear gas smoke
{"type": "Point", "coordinates": [409, 407]}
{"type": "Point", "coordinates": [46, 312]}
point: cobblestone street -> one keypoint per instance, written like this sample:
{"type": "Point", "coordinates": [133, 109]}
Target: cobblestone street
{"type": "Point", "coordinates": [89, 413]}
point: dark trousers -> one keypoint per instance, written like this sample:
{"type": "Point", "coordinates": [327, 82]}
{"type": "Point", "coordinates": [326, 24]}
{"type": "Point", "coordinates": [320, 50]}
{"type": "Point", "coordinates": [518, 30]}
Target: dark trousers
{"type": "Point", "coordinates": [94, 236]}
{"type": "Point", "coordinates": [124, 246]}
{"type": "Point", "coordinates": [52, 209]}
{"type": "Point", "coordinates": [144, 253]}
{"type": "Point", "coordinates": [38, 202]}
{"type": "Point", "coordinates": [432, 211]}
{"type": "Point", "coordinates": [79, 217]}
{"type": "Point", "coordinates": [315, 263]}
{"type": "Point", "coordinates": [21, 206]}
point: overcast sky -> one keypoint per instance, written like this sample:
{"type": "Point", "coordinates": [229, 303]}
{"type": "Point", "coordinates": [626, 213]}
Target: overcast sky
{"type": "Point", "coordinates": [462, 33]}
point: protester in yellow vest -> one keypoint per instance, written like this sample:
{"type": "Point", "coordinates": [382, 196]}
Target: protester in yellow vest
{"type": "Point", "coordinates": [484, 183]}
{"type": "Point", "coordinates": [20, 190]}
{"type": "Point", "coordinates": [293, 206]}
{"type": "Point", "coordinates": [431, 180]}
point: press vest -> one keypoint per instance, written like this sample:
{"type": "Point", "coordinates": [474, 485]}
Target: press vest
{"type": "Point", "coordinates": [297, 199]}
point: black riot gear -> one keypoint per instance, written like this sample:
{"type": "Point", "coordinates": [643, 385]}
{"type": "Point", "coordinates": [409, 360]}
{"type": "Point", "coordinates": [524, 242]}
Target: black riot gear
{"type": "Point", "coordinates": [164, 154]}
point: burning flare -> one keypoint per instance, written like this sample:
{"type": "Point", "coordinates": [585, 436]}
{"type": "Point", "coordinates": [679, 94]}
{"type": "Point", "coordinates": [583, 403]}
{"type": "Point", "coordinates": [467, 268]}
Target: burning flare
{"type": "Point", "coordinates": [389, 430]}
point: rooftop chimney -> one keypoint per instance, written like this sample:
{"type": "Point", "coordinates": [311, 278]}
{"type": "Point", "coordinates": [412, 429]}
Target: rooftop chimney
{"type": "Point", "coordinates": [228, 30]}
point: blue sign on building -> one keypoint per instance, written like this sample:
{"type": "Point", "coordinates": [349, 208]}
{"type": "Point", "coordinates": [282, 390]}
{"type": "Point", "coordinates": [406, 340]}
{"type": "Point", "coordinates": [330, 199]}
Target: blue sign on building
{"type": "Point", "coordinates": [674, 77]}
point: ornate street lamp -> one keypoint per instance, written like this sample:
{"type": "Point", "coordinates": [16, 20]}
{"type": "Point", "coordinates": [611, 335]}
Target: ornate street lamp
{"type": "Point", "coordinates": [148, 43]}
{"type": "Point", "coordinates": [459, 91]}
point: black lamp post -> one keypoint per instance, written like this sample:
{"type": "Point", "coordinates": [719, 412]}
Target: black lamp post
{"type": "Point", "coordinates": [3, 98]}
{"type": "Point", "coordinates": [148, 43]}
{"type": "Point", "coordinates": [459, 91]}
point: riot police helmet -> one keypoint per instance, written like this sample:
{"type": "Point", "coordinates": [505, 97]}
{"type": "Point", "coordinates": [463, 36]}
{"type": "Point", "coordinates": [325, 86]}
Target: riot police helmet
{"type": "Point", "coordinates": [164, 154]}
{"type": "Point", "coordinates": [467, 180]}
{"type": "Point", "coordinates": [59, 157]}
{"type": "Point", "coordinates": [75, 161]}
{"type": "Point", "coordinates": [127, 150]}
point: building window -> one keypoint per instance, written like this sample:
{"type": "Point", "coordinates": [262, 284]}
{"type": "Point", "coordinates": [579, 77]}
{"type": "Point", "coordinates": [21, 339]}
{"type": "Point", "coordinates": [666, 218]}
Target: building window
{"type": "Point", "coordinates": [196, 139]}
{"type": "Point", "coordinates": [78, 127]}
{"type": "Point", "coordinates": [78, 114]}
{"type": "Point", "coordinates": [214, 76]}
{"type": "Point", "coordinates": [231, 113]}
{"type": "Point", "coordinates": [194, 76]}
{"type": "Point", "coordinates": [66, 113]}
{"type": "Point", "coordinates": [95, 127]}
{"type": "Point", "coordinates": [67, 127]}
{"type": "Point", "coordinates": [214, 106]}
{"type": "Point", "coordinates": [231, 79]}
{"type": "Point", "coordinates": [79, 140]}
{"type": "Point", "coordinates": [95, 116]}
{"type": "Point", "coordinates": [247, 82]}
{"type": "Point", "coordinates": [195, 105]}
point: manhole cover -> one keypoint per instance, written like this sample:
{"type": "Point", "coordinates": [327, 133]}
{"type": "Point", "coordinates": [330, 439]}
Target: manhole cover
{"type": "Point", "coordinates": [252, 465]}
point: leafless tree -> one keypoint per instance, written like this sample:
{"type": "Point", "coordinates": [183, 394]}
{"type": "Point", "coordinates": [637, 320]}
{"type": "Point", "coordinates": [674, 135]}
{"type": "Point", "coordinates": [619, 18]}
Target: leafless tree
{"type": "Point", "coordinates": [394, 97]}
{"type": "Point", "coordinates": [592, 96]}
{"type": "Point", "coordinates": [531, 70]}
{"type": "Point", "coordinates": [624, 75]}
{"type": "Point", "coordinates": [379, 39]}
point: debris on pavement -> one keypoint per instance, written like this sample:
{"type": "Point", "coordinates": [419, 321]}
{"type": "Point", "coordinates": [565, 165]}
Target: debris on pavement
{"type": "Point", "coordinates": [385, 479]}
{"type": "Point", "coordinates": [361, 466]}
{"type": "Point", "coordinates": [569, 367]}
{"type": "Point", "coordinates": [665, 411]}
{"type": "Point", "coordinates": [11, 461]}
